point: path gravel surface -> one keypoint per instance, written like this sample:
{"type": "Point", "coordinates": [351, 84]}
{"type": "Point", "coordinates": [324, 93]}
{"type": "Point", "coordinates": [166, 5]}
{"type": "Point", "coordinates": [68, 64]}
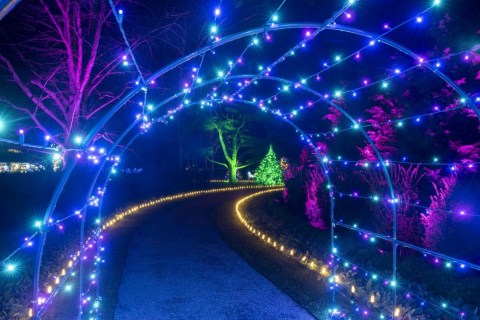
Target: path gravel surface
{"type": "Point", "coordinates": [179, 267]}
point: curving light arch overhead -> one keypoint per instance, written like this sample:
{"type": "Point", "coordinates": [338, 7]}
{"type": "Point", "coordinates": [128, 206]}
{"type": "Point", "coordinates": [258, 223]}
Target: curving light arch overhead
{"type": "Point", "coordinates": [318, 27]}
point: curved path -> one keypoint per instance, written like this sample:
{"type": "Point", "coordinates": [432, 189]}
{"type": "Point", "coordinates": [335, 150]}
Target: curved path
{"type": "Point", "coordinates": [178, 267]}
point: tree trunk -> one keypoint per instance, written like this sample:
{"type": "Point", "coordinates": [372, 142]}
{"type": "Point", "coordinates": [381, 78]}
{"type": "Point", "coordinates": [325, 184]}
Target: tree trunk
{"type": "Point", "coordinates": [233, 174]}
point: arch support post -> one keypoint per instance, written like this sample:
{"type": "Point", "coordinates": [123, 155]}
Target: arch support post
{"type": "Point", "coordinates": [43, 236]}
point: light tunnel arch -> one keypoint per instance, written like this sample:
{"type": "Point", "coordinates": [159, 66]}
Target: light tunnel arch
{"type": "Point", "coordinates": [280, 80]}
{"type": "Point", "coordinates": [109, 115]}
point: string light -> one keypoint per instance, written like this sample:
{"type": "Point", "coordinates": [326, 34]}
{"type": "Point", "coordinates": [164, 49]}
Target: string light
{"type": "Point", "coordinates": [315, 264]}
{"type": "Point", "coordinates": [337, 94]}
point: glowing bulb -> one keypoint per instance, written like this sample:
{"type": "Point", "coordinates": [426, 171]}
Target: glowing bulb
{"type": "Point", "coordinates": [338, 58]}
{"type": "Point", "coordinates": [255, 41]}
{"type": "Point", "coordinates": [372, 298]}
{"type": "Point", "coordinates": [384, 85]}
{"type": "Point", "coordinates": [11, 267]}
{"type": "Point", "coordinates": [217, 12]}
{"type": "Point", "coordinates": [397, 312]}
{"type": "Point", "coordinates": [213, 29]}
{"type": "Point", "coordinates": [38, 224]}
{"type": "Point", "coordinates": [220, 73]}
{"type": "Point", "coordinates": [397, 71]}
{"type": "Point", "coordinates": [77, 139]}
{"type": "Point", "coordinates": [352, 290]}
{"type": "Point", "coordinates": [21, 131]}
{"type": "Point", "coordinates": [437, 2]}
{"type": "Point", "coordinates": [419, 19]}
{"type": "Point", "coordinates": [275, 18]}
{"type": "Point", "coordinates": [120, 11]}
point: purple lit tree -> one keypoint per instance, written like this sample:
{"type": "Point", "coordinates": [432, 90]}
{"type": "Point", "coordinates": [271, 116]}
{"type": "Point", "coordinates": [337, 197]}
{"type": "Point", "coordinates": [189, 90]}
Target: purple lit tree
{"type": "Point", "coordinates": [405, 179]}
{"type": "Point", "coordinates": [436, 219]}
{"type": "Point", "coordinates": [381, 129]}
{"type": "Point", "coordinates": [304, 190]}
{"type": "Point", "coordinates": [406, 182]}
{"type": "Point", "coordinates": [65, 61]}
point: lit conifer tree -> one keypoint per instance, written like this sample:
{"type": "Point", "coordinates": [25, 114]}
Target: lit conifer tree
{"type": "Point", "coordinates": [269, 171]}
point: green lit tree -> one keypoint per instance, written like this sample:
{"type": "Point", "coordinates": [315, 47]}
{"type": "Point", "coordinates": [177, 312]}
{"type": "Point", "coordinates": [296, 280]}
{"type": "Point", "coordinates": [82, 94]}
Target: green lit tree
{"type": "Point", "coordinates": [269, 171]}
{"type": "Point", "coordinates": [234, 138]}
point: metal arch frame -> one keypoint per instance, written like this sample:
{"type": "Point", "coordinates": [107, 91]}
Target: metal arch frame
{"type": "Point", "coordinates": [99, 214]}
{"type": "Point", "coordinates": [331, 196]}
{"type": "Point", "coordinates": [276, 79]}
{"type": "Point", "coordinates": [178, 62]}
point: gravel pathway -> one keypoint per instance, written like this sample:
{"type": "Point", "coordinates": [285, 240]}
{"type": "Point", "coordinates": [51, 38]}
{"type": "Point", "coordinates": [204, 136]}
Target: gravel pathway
{"type": "Point", "coordinates": [178, 267]}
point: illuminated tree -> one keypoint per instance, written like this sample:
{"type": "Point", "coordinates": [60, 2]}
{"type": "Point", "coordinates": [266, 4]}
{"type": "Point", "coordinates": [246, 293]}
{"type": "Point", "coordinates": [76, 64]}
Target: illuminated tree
{"type": "Point", "coordinates": [65, 64]}
{"type": "Point", "coordinates": [234, 138]}
{"type": "Point", "coordinates": [269, 171]}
